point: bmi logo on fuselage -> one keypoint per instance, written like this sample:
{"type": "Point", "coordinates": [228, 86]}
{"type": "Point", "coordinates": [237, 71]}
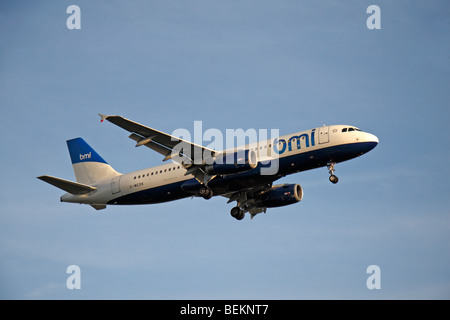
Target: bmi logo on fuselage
{"type": "Point", "coordinates": [280, 145]}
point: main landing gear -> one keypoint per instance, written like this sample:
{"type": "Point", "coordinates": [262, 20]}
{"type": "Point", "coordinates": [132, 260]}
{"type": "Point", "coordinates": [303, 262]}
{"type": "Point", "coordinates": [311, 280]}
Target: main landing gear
{"type": "Point", "coordinates": [333, 178]}
{"type": "Point", "coordinates": [237, 213]}
{"type": "Point", "coordinates": [205, 192]}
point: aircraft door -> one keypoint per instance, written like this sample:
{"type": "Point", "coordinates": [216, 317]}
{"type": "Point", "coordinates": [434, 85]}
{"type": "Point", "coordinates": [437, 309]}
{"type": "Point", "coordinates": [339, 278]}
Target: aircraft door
{"type": "Point", "coordinates": [115, 185]}
{"type": "Point", "coordinates": [323, 134]}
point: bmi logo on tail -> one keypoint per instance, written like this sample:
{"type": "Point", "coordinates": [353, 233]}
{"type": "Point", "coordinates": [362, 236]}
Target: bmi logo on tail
{"type": "Point", "coordinates": [85, 156]}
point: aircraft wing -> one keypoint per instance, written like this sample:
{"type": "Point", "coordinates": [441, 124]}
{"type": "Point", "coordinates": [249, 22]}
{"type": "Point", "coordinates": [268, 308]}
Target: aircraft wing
{"type": "Point", "coordinates": [192, 156]}
{"type": "Point", "coordinates": [158, 141]}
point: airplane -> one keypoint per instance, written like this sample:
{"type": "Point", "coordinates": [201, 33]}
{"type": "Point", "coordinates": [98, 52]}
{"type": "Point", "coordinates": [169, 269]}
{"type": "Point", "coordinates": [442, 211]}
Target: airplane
{"type": "Point", "coordinates": [240, 174]}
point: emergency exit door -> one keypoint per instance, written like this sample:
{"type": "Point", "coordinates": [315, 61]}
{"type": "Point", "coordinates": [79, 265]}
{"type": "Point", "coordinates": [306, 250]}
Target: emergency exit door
{"type": "Point", "coordinates": [115, 185]}
{"type": "Point", "coordinates": [323, 134]}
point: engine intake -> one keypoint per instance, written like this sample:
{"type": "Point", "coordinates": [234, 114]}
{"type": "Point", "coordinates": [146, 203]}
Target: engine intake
{"type": "Point", "coordinates": [280, 196]}
{"type": "Point", "coordinates": [231, 163]}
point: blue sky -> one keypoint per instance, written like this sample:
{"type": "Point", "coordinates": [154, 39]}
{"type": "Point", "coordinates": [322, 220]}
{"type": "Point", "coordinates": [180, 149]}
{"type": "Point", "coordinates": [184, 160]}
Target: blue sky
{"type": "Point", "coordinates": [287, 65]}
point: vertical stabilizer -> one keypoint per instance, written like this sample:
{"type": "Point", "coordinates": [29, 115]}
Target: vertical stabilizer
{"type": "Point", "coordinates": [88, 165]}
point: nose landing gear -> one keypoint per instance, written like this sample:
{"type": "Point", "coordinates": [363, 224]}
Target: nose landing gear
{"type": "Point", "coordinates": [333, 178]}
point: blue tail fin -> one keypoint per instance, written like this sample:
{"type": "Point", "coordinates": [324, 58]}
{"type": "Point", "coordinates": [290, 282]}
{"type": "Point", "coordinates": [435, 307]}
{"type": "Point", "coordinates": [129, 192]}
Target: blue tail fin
{"type": "Point", "coordinates": [88, 165]}
{"type": "Point", "coordinates": [80, 151]}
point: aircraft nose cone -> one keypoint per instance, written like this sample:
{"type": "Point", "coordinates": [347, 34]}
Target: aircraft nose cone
{"type": "Point", "coordinates": [371, 141]}
{"type": "Point", "coordinates": [373, 138]}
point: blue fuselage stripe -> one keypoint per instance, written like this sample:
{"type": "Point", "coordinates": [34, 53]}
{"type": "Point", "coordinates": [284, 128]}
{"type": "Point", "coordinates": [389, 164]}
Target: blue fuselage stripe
{"type": "Point", "coordinates": [229, 183]}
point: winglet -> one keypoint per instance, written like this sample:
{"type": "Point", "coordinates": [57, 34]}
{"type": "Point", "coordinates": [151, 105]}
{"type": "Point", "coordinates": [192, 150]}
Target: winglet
{"type": "Point", "coordinates": [103, 117]}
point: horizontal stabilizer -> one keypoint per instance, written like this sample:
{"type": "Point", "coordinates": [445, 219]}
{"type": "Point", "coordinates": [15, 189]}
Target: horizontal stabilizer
{"type": "Point", "coordinates": [66, 185]}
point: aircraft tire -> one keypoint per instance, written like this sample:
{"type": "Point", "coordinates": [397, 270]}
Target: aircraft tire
{"type": "Point", "coordinates": [237, 213]}
{"type": "Point", "coordinates": [205, 193]}
{"type": "Point", "coordinates": [334, 179]}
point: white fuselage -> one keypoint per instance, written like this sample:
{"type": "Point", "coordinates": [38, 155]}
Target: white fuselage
{"type": "Point", "coordinates": [301, 150]}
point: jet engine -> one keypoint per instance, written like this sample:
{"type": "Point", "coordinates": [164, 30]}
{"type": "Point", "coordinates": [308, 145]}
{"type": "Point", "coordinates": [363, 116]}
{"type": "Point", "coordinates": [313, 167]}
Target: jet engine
{"type": "Point", "coordinates": [231, 163]}
{"type": "Point", "coordinates": [279, 196]}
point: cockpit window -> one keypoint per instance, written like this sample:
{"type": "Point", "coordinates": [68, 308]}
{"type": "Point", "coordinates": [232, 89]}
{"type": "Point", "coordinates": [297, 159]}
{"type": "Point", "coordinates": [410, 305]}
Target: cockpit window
{"type": "Point", "coordinates": [350, 129]}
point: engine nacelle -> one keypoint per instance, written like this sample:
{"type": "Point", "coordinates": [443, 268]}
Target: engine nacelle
{"type": "Point", "coordinates": [240, 161]}
{"type": "Point", "coordinates": [280, 196]}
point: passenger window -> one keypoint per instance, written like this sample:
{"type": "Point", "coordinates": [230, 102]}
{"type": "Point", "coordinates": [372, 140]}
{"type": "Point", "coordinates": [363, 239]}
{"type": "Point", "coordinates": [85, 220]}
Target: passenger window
{"type": "Point", "coordinates": [169, 169]}
{"type": "Point", "coordinates": [156, 172]}
{"type": "Point", "coordinates": [344, 130]}
{"type": "Point", "coordinates": [152, 173]}
{"type": "Point", "coordinates": [160, 171]}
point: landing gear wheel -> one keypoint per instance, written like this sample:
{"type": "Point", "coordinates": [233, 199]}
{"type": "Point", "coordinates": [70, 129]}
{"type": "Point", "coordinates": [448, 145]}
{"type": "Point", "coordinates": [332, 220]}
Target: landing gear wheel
{"type": "Point", "coordinates": [237, 213]}
{"type": "Point", "coordinates": [205, 192]}
{"type": "Point", "coordinates": [334, 179]}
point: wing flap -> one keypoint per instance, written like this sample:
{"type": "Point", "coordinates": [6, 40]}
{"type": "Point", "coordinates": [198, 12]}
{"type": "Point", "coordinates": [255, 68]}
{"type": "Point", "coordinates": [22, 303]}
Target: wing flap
{"type": "Point", "coordinates": [150, 144]}
{"type": "Point", "coordinates": [68, 186]}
